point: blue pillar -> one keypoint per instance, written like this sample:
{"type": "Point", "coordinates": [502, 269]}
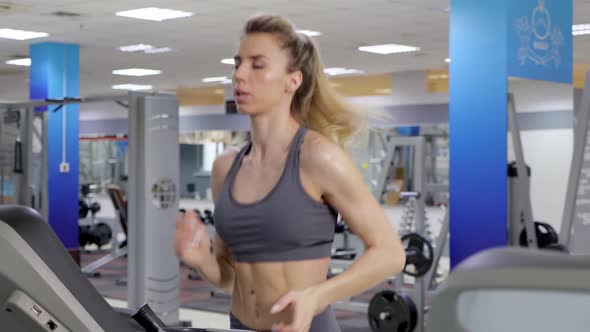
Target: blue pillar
{"type": "Point", "coordinates": [55, 73]}
{"type": "Point", "coordinates": [491, 40]}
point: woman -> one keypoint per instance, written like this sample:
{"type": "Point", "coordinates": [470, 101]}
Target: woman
{"type": "Point", "coordinates": [277, 199]}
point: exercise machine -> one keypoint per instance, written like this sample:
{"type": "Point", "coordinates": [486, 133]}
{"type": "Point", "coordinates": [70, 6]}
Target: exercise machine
{"type": "Point", "coordinates": [42, 289]}
{"type": "Point", "coordinates": [422, 255]}
{"type": "Point", "coordinates": [514, 289]}
{"type": "Point", "coordinates": [152, 196]}
{"type": "Point", "coordinates": [575, 228]}
{"type": "Point", "coordinates": [118, 250]}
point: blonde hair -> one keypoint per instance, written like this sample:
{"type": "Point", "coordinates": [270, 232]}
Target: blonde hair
{"type": "Point", "coordinates": [316, 104]}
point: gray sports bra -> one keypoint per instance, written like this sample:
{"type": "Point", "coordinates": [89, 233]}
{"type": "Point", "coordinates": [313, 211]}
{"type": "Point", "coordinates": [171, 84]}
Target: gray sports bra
{"type": "Point", "coordinates": [287, 224]}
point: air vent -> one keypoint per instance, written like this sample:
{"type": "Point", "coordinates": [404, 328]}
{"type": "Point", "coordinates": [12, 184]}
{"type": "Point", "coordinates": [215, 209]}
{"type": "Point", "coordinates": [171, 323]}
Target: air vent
{"type": "Point", "coordinates": [65, 14]}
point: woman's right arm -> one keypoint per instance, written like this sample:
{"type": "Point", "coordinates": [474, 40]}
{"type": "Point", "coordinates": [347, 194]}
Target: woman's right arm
{"type": "Point", "coordinates": [217, 267]}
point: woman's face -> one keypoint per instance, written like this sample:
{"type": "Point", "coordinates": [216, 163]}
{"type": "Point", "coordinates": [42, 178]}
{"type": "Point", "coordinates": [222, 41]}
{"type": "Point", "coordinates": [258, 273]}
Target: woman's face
{"type": "Point", "coordinates": [260, 80]}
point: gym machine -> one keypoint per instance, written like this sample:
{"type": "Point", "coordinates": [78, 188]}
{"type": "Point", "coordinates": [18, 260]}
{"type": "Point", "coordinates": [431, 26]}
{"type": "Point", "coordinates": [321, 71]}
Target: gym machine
{"type": "Point", "coordinates": [395, 309]}
{"type": "Point", "coordinates": [575, 225]}
{"type": "Point", "coordinates": [42, 289]}
{"type": "Point", "coordinates": [514, 289]}
{"type": "Point", "coordinates": [94, 233]}
{"type": "Point", "coordinates": [152, 197]}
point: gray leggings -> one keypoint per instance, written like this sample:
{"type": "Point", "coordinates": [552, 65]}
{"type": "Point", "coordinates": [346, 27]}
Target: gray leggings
{"type": "Point", "coordinates": [324, 322]}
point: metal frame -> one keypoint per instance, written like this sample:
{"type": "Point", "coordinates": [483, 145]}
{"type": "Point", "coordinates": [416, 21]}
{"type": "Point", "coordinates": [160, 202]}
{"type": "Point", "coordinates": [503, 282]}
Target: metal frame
{"type": "Point", "coordinates": [580, 148]}
{"type": "Point", "coordinates": [144, 285]}
{"type": "Point", "coordinates": [521, 214]}
{"type": "Point", "coordinates": [382, 161]}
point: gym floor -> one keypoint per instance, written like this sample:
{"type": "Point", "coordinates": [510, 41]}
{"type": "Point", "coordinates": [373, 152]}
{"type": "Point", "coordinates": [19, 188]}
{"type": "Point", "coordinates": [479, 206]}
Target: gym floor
{"type": "Point", "coordinates": [196, 302]}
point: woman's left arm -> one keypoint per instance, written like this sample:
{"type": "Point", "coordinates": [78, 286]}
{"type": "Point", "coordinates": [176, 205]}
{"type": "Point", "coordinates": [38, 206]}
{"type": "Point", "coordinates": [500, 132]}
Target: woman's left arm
{"type": "Point", "coordinates": [345, 190]}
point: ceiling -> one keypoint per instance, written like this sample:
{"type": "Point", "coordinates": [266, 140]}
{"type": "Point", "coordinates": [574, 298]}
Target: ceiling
{"type": "Point", "coordinates": [211, 34]}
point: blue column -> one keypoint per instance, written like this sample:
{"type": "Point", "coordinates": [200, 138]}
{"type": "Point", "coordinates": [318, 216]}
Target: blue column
{"type": "Point", "coordinates": [491, 40]}
{"type": "Point", "coordinates": [54, 73]}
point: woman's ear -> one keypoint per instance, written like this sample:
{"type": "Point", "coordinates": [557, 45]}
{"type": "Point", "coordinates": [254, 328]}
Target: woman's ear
{"type": "Point", "coordinates": [295, 80]}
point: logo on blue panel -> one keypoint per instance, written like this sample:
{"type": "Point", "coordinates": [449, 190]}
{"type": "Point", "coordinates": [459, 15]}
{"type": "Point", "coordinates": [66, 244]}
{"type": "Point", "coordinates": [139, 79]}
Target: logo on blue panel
{"type": "Point", "coordinates": [540, 42]}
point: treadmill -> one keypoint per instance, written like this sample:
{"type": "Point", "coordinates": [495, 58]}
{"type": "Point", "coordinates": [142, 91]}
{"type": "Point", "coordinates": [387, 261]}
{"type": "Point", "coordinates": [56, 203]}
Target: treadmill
{"type": "Point", "coordinates": [42, 289]}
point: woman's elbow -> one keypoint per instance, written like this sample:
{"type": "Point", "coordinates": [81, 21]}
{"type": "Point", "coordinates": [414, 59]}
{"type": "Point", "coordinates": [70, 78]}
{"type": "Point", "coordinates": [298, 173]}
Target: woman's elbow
{"type": "Point", "coordinates": [396, 261]}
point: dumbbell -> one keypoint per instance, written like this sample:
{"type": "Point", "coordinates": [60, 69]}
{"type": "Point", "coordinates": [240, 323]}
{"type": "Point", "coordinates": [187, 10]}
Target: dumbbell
{"type": "Point", "coordinates": [94, 208]}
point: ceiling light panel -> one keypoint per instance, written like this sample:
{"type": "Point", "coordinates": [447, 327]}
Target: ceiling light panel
{"type": "Point", "coordinates": [215, 79]}
{"type": "Point", "coordinates": [132, 87]}
{"type": "Point", "coordinates": [154, 14]}
{"type": "Point", "coordinates": [21, 34]}
{"type": "Point", "coordinates": [19, 62]}
{"type": "Point", "coordinates": [228, 61]}
{"type": "Point", "coordinates": [341, 71]}
{"type": "Point", "coordinates": [580, 29]}
{"type": "Point", "coordinates": [136, 72]}
{"type": "Point", "coordinates": [158, 50]}
{"type": "Point", "coordinates": [388, 49]}
{"type": "Point", "coordinates": [135, 48]}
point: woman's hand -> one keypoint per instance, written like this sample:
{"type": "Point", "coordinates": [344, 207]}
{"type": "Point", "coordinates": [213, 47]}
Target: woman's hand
{"type": "Point", "coordinates": [191, 239]}
{"type": "Point", "coordinates": [304, 307]}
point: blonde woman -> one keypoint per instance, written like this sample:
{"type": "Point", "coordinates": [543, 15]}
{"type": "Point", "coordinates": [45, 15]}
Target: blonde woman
{"type": "Point", "coordinates": [277, 198]}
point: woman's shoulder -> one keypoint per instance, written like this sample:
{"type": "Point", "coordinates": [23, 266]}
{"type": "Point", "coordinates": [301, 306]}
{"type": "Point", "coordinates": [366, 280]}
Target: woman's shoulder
{"type": "Point", "coordinates": [224, 160]}
{"type": "Point", "coordinates": [317, 151]}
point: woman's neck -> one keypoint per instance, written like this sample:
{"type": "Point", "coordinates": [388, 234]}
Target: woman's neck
{"type": "Point", "coordinates": [271, 135]}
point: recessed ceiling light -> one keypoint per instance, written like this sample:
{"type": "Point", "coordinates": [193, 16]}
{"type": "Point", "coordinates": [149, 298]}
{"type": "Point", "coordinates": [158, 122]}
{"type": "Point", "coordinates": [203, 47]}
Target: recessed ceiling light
{"type": "Point", "coordinates": [228, 61]}
{"type": "Point", "coordinates": [132, 87]}
{"type": "Point", "coordinates": [341, 71]}
{"type": "Point", "coordinates": [309, 32]}
{"type": "Point", "coordinates": [158, 50]}
{"type": "Point", "coordinates": [136, 72]}
{"type": "Point", "coordinates": [21, 34]}
{"type": "Point", "coordinates": [448, 60]}
{"type": "Point", "coordinates": [227, 81]}
{"type": "Point", "coordinates": [19, 62]}
{"type": "Point", "coordinates": [154, 14]}
{"type": "Point", "coordinates": [388, 48]}
{"type": "Point", "coordinates": [581, 29]}
{"type": "Point", "coordinates": [215, 79]}
{"type": "Point", "coordinates": [135, 48]}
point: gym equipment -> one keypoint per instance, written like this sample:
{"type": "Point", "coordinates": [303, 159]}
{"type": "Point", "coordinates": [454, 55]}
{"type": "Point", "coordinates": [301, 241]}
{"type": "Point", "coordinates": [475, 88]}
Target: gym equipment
{"type": "Point", "coordinates": [389, 311]}
{"type": "Point", "coordinates": [522, 229]}
{"type": "Point", "coordinates": [575, 228]}
{"type": "Point", "coordinates": [423, 257]}
{"type": "Point", "coordinates": [42, 288]}
{"type": "Point", "coordinates": [96, 233]}
{"type": "Point", "coordinates": [118, 249]}
{"type": "Point", "coordinates": [152, 191]}
{"type": "Point", "coordinates": [484, 293]}
{"type": "Point", "coordinates": [545, 233]}
{"type": "Point", "coordinates": [419, 255]}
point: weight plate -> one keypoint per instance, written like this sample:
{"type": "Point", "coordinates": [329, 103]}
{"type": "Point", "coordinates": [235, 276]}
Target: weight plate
{"type": "Point", "coordinates": [419, 255]}
{"type": "Point", "coordinates": [102, 234]}
{"type": "Point", "coordinates": [389, 311]}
